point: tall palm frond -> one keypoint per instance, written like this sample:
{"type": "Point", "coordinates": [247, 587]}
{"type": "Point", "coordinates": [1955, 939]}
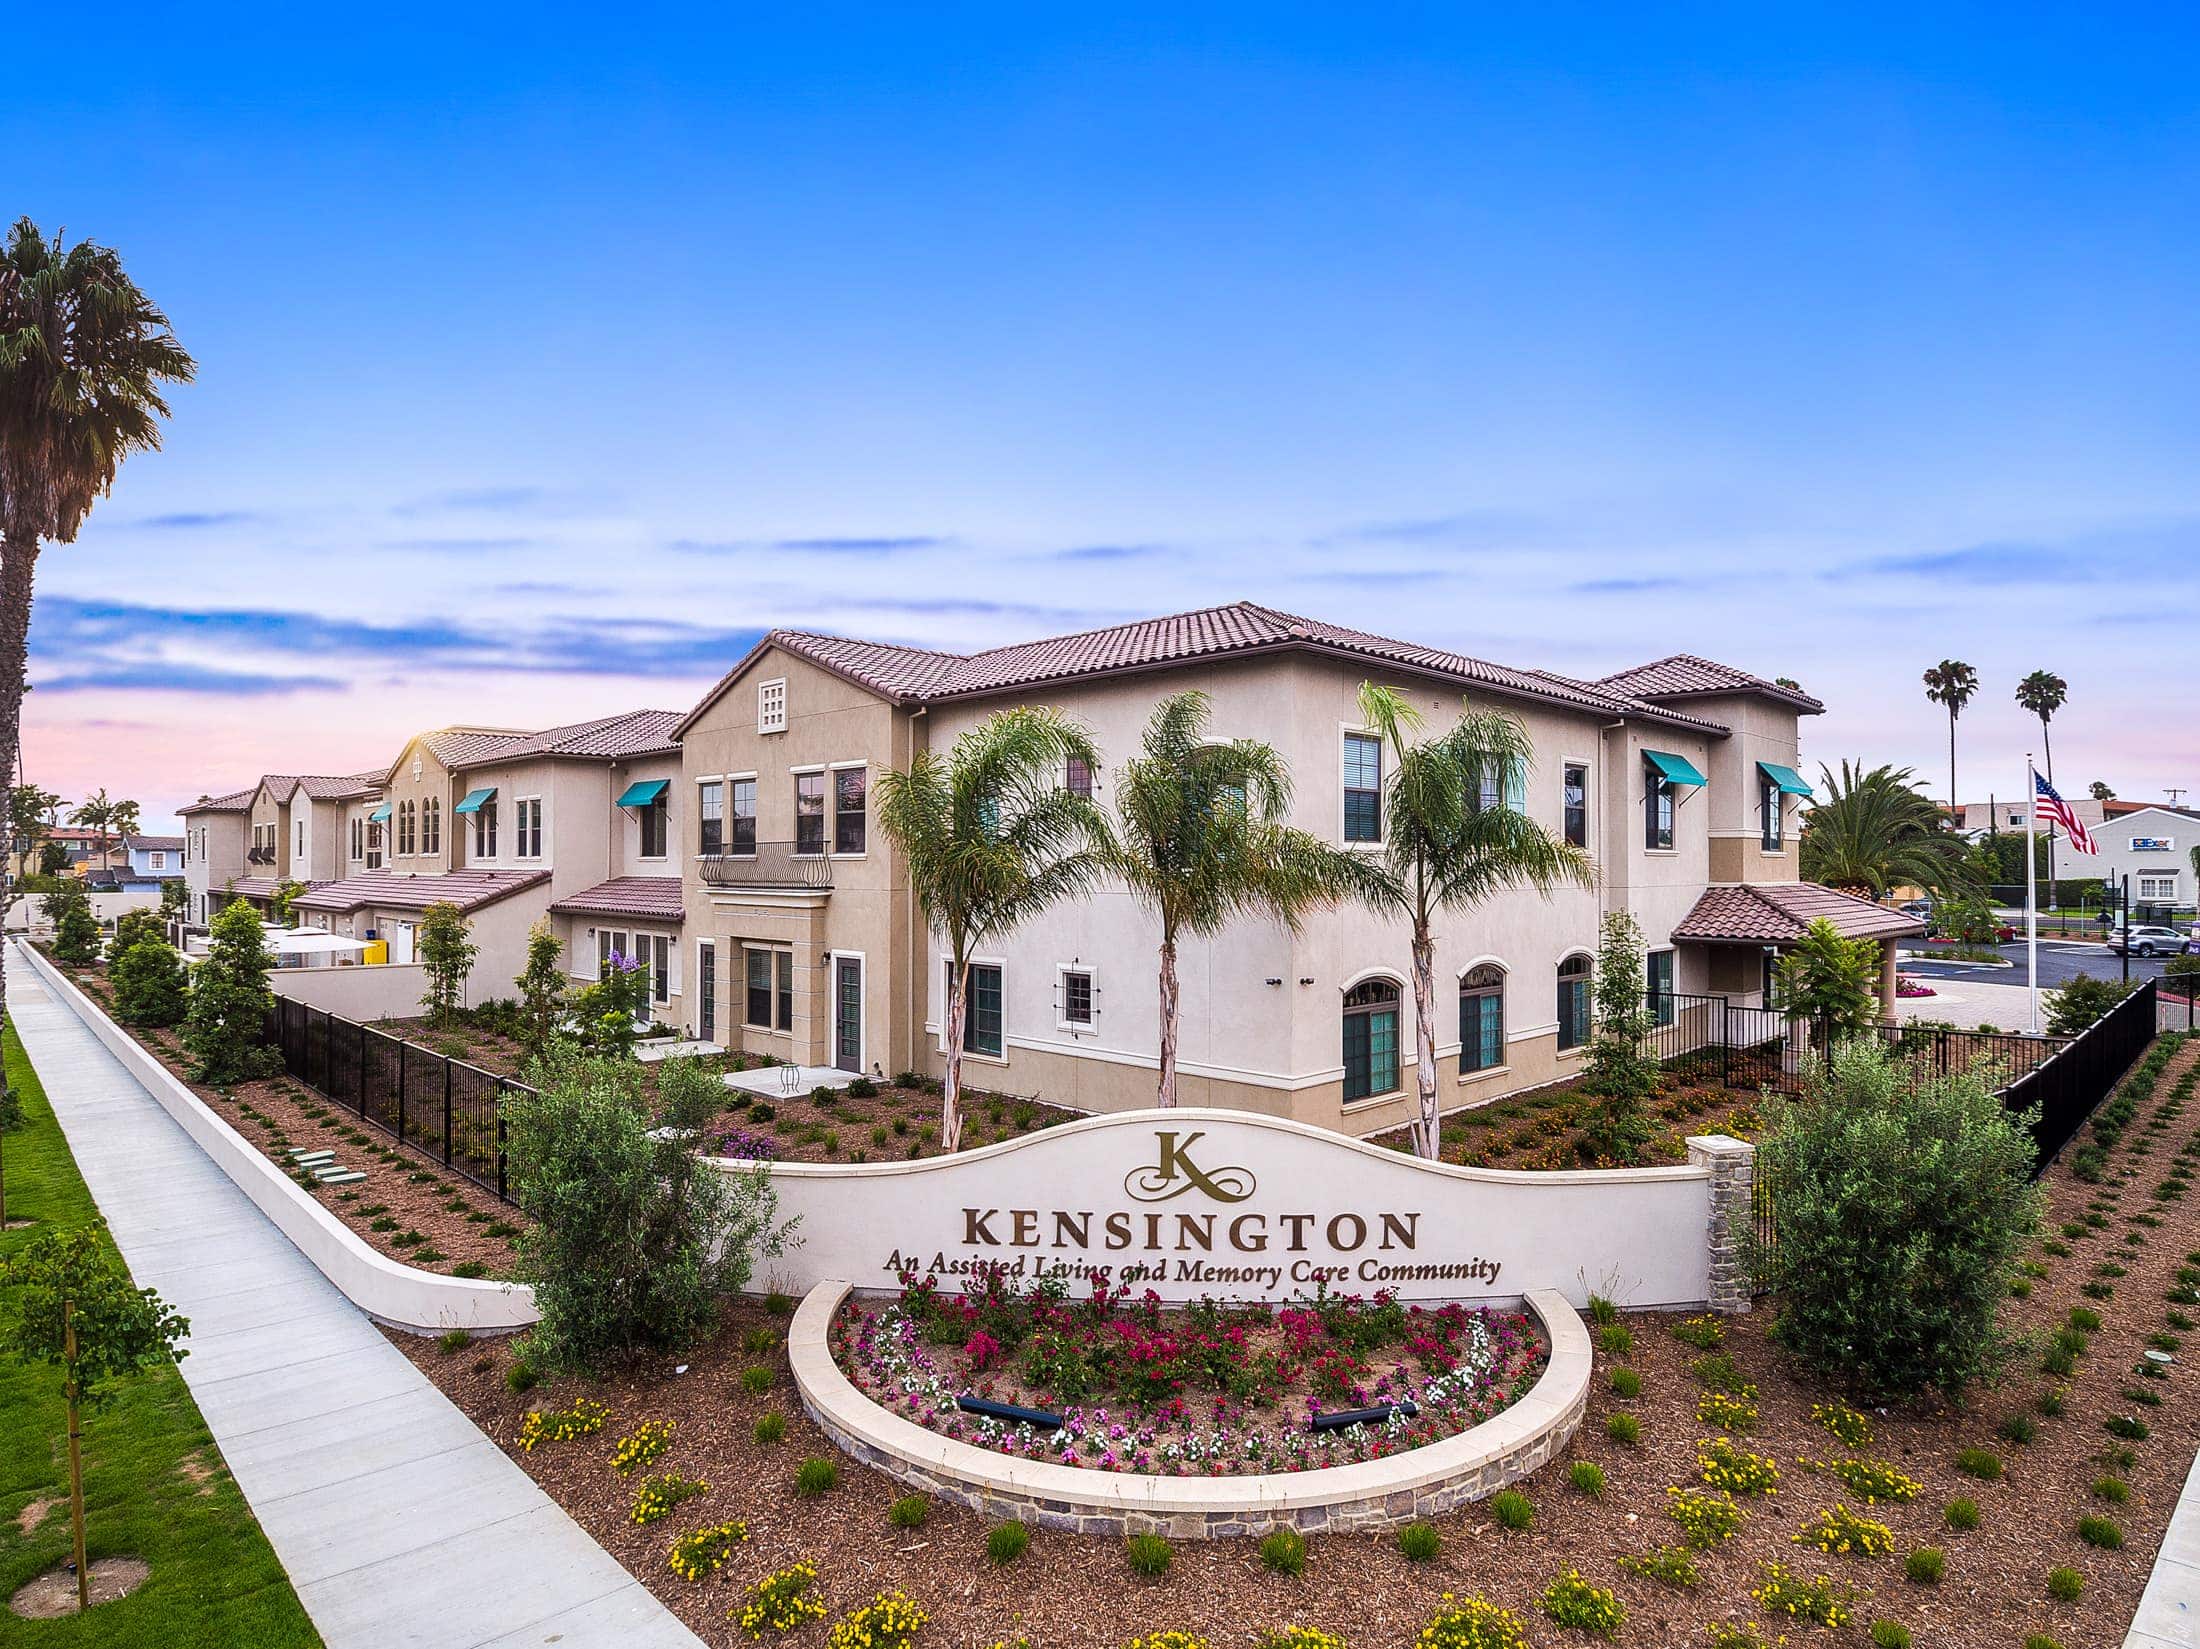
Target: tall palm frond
{"type": "Point", "coordinates": [991, 837]}
{"type": "Point", "coordinates": [1445, 851]}
{"type": "Point", "coordinates": [1876, 831]}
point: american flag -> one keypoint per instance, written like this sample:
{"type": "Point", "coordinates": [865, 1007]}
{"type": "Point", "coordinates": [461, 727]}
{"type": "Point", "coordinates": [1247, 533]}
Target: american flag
{"type": "Point", "coordinates": [2055, 810]}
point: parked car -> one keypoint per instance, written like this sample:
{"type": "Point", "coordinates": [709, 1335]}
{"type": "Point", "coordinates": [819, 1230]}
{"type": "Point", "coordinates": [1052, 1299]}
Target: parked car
{"type": "Point", "coordinates": [2145, 939]}
{"type": "Point", "coordinates": [1922, 909]}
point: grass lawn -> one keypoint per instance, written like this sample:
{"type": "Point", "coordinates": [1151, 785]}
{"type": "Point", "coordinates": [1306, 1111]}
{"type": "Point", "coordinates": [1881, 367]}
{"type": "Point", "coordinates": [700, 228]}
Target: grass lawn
{"type": "Point", "coordinates": [155, 1485]}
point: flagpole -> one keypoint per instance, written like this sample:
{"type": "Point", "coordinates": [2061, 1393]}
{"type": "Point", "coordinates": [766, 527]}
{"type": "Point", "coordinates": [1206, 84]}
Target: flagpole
{"type": "Point", "coordinates": [2031, 896]}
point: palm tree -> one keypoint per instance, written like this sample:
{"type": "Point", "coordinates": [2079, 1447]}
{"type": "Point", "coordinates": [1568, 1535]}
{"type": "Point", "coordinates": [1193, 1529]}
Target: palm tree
{"type": "Point", "coordinates": [2100, 791]}
{"type": "Point", "coordinates": [2043, 692]}
{"type": "Point", "coordinates": [83, 358]}
{"type": "Point", "coordinates": [1874, 831]}
{"type": "Point", "coordinates": [1200, 841]}
{"type": "Point", "coordinates": [1952, 682]}
{"type": "Point", "coordinates": [1444, 851]}
{"type": "Point", "coordinates": [992, 837]}
{"type": "Point", "coordinates": [124, 821]}
{"type": "Point", "coordinates": [96, 813]}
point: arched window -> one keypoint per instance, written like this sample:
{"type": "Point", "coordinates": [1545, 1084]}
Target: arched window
{"type": "Point", "coordinates": [1370, 1039]}
{"type": "Point", "coordinates": [431, 826]}
{"type": "Point", "coordinates": [405, 826]}
{"type": "Point", "coordinates": [1482, 1018]}
{"type": "Point", "coordinates": [1573, 1002]}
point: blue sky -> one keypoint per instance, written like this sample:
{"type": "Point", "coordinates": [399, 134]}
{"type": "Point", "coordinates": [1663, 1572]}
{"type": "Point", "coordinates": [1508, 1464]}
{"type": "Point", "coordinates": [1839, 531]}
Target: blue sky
{"type": "Point", "coordinates": [547, 357]}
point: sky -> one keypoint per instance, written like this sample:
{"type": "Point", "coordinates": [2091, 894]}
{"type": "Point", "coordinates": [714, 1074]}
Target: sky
{"type": "Point", "coordinates": [547, 356]}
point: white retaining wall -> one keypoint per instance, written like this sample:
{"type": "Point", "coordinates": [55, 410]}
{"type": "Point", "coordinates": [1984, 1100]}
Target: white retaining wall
{"type": "Point", "coordinates": [365, 992]}
{"type": "Point", "coordinates": [400, 1295]}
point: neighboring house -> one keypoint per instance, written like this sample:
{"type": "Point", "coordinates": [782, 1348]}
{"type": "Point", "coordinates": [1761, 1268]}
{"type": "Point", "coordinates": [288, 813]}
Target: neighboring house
{"type": "Point", "coordinates": [803, 940]}
{"type": "Point", "coordinates": [246, 845]}
{"type": "Point", "coordinates": [2151, 845]}
{"type": "Point", "coordinates": [217, 840]}
{"type": "Point", "coordinates": [2005, 814]}
{"type": "Point", "coordinates": [576, 822]}
{"type": "Point", "coordinates": [154, 858]}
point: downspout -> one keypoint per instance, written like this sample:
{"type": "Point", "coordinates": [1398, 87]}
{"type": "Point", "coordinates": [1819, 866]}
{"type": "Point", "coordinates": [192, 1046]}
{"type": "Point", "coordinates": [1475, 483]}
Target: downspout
{"type": "Point", "coordinates": [1605, 882]}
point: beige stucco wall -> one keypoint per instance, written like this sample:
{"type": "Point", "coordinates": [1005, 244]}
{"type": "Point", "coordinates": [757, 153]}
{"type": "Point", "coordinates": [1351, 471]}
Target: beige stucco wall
{"type": "Point", "coordinates": [830, 722]}
{"type": "Point", "coordinates": [267, 811]}
{"type": "Point", "coordinates": [228, 835]}
{"type": "Point", "coordinates": [418, 776]}
{"type": "Point", "coordinates": [1763, 731]}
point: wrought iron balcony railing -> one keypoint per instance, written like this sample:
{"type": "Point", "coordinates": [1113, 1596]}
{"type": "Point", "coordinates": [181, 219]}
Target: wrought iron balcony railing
{"type": "Point", "coordinates": [768, 865]}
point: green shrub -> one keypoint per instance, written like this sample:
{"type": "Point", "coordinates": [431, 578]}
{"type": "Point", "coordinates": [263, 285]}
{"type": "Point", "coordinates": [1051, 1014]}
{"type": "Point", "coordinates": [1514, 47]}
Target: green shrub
{"type": "Point", "coordinates": [148, 980]}
{"type": "Point", "coordinates": [756, 1380]}
{"type": "Point", "coordinates": [1625, 1382]}
{"type": "Point", "coordinates": [2017, 1428]}
{"type": "Point", "coordinates": [2051, 1402]}
{"type": "Point", "coordinates": [1573, 1602]}
{"type": "Point", "coordinates": [1512, 1509]}
{"type": "Point", "coordinates": [1006, 1542]}
{"type": "Point", "coordinates": [816, 1475]}
{"type": "Point", "coordinates": [520, 1375]}
{"type": "Point", "coordinates": [1890, 1634]}
{"type": "Point", "coordinates": [1962, 1514]}
{"type": "Point", "coordinates": [2085, 1319]}
{"type": "Point", "coordinates": [1979, 1463]}
{"type": "Point", "coordinates": [909, 1512]}
{"type": "Point", "coordinates": [1283, 1551]}
{"type": "Point", "coordinates": [635, 1238]}
{"type": "Point", "coordinates": [225, 1021]}
{"type": "Point", "coordinates": [2127, 1426]}
{"type": "Point", "coordinates": [1601, 1311]}
{"type": "Point", "coordinates": [2114, 1490]}
{"type": "Point", "coordinates": [1616, 1340]}
{"type": "Point", "coordinates": [1623, 1428]}
{"type": "Point", "coordinates": [2102, 1532]}
{"type": "Point", "coordinates": [1925, 1566]}
{"type": "Point", "coordinates": [1587, 1476]}
{"type": "Point", "coordinates": [1418, 1542]}
{"type": "Point", "coordinates": [1148, 1555]}
{"type": "Point", "coordinates": [1903, 1206]}
{"type": "Point", "coordinates": [770, 1428]}
{"type": "Point", "coordinates": [1673, 1566]}
{"type": "Point", "coordinates": [2065, 1585]}
{"type": "Point", "coordinates": [1704, 1333]}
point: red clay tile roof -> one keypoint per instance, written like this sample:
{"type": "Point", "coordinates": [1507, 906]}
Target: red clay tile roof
{"type": "Point", "coordinates": [1777, 913]}
{"type": "Point", "coordinates": [656, 898]}
{"type": "Point", "coordinates": [237, 801]}
{"type": "Point", "coordinates": [254, 887]}
{"type": "Point", "coordinates": [467, 889]}
{"type": "Point", "coordinates": [916, 675]}
{"type": "Point", "coordinates": [1684, 675]}
{"type": "Point", "coordinates": [153, 844]}
{"type": "Point", "coordinates": [621, 737]}
{"type": "Point", "coordinates": [331, 787]}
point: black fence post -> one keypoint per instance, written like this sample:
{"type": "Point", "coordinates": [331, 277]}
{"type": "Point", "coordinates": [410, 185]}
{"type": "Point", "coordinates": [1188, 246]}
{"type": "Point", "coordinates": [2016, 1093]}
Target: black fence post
{"type": "Point", "coordinates": [402, 1048]}
{"type": "Point", "coordinates": [499, 1098]}
{"type": "Point", "coordinates": [446, 1113]}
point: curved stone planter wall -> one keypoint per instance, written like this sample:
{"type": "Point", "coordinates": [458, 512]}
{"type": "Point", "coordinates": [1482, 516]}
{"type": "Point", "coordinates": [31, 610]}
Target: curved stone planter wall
{"type": "Point", "coordinates": [1370, 1494]}
{"type": "Point", "coordinates": [403, 1296]}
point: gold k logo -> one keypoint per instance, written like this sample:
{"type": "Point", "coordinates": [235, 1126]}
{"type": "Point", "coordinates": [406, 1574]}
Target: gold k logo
{"type": "Point", "coordinates": [1176, 1173]}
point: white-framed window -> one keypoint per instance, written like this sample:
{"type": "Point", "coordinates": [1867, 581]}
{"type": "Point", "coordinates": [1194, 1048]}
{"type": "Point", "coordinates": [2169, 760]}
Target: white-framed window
{"type": "Point", "coordinates": [1482, 1018]}
{"type": "Point", "coordinates": [157, 859]}
{"type": "Point", "coordinates": [851, 800]}
{"type": "Point", "coordinates": [809, 811]}
{"type": "Point", "coordinates": [768, 995]}
{"type": "Point", "coordinates": [1573, 1002]}
{"type": "Point", "coordinates": [1576, 795]}
{"type": "Point", "coordinates": [1076, 1004]}
{"type": "Point", "coordinates": [984, 1013]}
{"type": "Point", "coordinates": [358, 838]}
{"type": "Point", "coordinates": [2156, 887]}
{"type": "Point", "coordinates": [408, 829]}
{"type": "Point", "coordinates": [1658, 984]}
{"type": "Point", "coordinates": [1370, 1026]}
{"type": "Point", "coordinates": [485, 830]}
{"type": "Point", "coordinates": [527, 827]}
{"type": "Point", "coordinates": [771, 705]}
{"type": "Point", "coordinates": [742, 797]}
{"type": "Point", "coordinates": [654, 820]}
{"type": "Point", "coordinates": [1363, 787]}
{"type": "Point", "coordinates": [710, 817]}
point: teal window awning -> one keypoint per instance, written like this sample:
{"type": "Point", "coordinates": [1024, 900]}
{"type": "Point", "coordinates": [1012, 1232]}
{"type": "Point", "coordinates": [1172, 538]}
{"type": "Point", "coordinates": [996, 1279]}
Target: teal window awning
{"type": "Point", "coordinates": [1785, 779]}
{"type": "Point", "coordinates": [642, 792]}
{"type": "Point", "coordinates": [476, 800]}
{"type": "Point", "coordinates": [1674, 769]}
{"type": "Point", "coordinates": [381, 815]}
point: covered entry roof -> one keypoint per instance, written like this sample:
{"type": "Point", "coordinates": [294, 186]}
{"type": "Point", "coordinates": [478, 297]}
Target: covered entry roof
{"type": "Point", "coordinates": [1777, 913]}
{"type": "Point", "coordinates": [467, 889]}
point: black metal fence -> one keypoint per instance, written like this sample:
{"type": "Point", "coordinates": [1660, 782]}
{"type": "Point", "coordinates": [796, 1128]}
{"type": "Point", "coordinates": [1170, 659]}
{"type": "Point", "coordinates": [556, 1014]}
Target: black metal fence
{"type": "Point", "coordinates": [2067, 1086]}
{"type": "Point", "coordinates": [440, 1106]}
{"type": "Point", "coordinates": [1714, 1039]}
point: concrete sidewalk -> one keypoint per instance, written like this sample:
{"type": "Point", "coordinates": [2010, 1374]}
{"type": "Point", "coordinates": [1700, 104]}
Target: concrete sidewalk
{"type": "Point", "coordinates": [398, 1521]}
{"type": "Point", "coordinates": [2169, 1609]}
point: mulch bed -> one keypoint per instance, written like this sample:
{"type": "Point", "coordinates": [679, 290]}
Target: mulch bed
{"type": "Point", "coordinates": [1546, 1129]}
{"type": "Point", "coordinates": [1068, 1590]}
{"type": "Point", "coordinates": [405, 1191]}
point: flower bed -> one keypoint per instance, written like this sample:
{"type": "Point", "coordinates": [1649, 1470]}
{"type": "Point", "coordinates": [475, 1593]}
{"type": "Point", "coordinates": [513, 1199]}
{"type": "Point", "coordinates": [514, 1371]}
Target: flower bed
{"type": "Point", "coordinates": [1205, 1390]}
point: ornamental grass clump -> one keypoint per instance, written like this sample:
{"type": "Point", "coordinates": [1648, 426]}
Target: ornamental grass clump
{"type": "Point", "coordinates": [1006, 1542]}
{"type": "Point", "coordinates": [1513, 1510]}
{"type": "Point", "coordinates": [1925, 1566]}
{"type": "Point", "coordinates": [2065, 1585]}
{"type": "Point", "coordinates": [1839, 1532]}
{"type": "Point", "coordinates": [657, 1496]}
{"type": "Point", "coordinates": [1904, 1204]}
{"type": "Point", "coordinates": [1587, 1477]}
{"type": "Point", "coordinates": [1573, 1602]}
{"type": "Point", "coordinates": [2102, 1532]}
{"type": "Point", "coordinates": [1962, 1514]}
{"type": "Point", "coordinates": [1149, 1555]}
{"type": "Point", "coordinates": [781, 1601]}
{"type": "Point", "coordinates": [770, 1428]}
{"type": "Point", "coordinates": [1472, 1623]}
{"type": "Point", "coordinates": [909, 1512]}
{"type": "Point", "coordinates": [1979, 1463]}
{"type": "Point", "coordinates": [705, 1551]}
{"type": "Point", "coordinates": [891, 1620]}
{"type": "Point", "coordinates": [641, 1447]}
{"type": "Point", "coordinates": [1818, 1599]}
{"type": "Point", "coordinates": [1736, 1470]}
{"type": "Point", "coordinates": [1418, 1542]}
{"type": "Point", "coordinates": [815, 1476]}
{"type": "Point", "coordinates": [1283, 1551]}
{"type": "Point", "coordinates": [1890, 1634]}
{"type": "Point", "coordinates": [1623, 1428]}
{"type": "Point", "coordinates": [1625, 1382]}
{"type": "Point", "coordinates": [1705, 1519]}
{"type": "Point", "coordinates": [561, 1425]}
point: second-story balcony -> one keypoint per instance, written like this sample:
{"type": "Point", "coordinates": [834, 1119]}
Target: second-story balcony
{"type": "Point", "coordinates": [768, 865]}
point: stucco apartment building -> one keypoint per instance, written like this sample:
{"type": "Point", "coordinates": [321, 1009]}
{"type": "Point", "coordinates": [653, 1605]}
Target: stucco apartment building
{"type": "Point", "coordinates": [802, 938]}
{"type": "Point", "coordinates": [248, 843]}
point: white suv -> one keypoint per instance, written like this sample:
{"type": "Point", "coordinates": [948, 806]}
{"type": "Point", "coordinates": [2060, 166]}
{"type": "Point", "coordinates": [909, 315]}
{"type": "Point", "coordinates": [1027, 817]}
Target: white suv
{"type": "Point", "coordinates": [2146, 940]}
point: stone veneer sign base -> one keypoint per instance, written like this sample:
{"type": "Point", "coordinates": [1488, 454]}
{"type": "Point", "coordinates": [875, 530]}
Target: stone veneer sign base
{"type": "Point", "coordinates": [1368, 1494]}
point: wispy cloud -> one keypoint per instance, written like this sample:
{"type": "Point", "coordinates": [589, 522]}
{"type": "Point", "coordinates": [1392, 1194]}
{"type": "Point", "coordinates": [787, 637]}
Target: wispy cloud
{"type": "Point", "coordinates": [550, 502]}
{"type": "Point", "coordinates": [1103, 552]}
{"type": "Point", "coordinates": [187, 678]}
{"type": "Point", "coordinates": [456, 546]}
{"type": "Point", "coordinates": [1984, 564]}
{"type": "Point", "coordinates": [1393, 576]}
{"type": "Point", "coordinates": [1467, 529]}
{"type": "Point", "coordinates": [1630, 586]}
{"type": "Point", "coordinates": [881, 544]}
{"type": "Point", "coordinates": [200, 518]}
{"type": "Point", "coordinates": [545, 587]}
